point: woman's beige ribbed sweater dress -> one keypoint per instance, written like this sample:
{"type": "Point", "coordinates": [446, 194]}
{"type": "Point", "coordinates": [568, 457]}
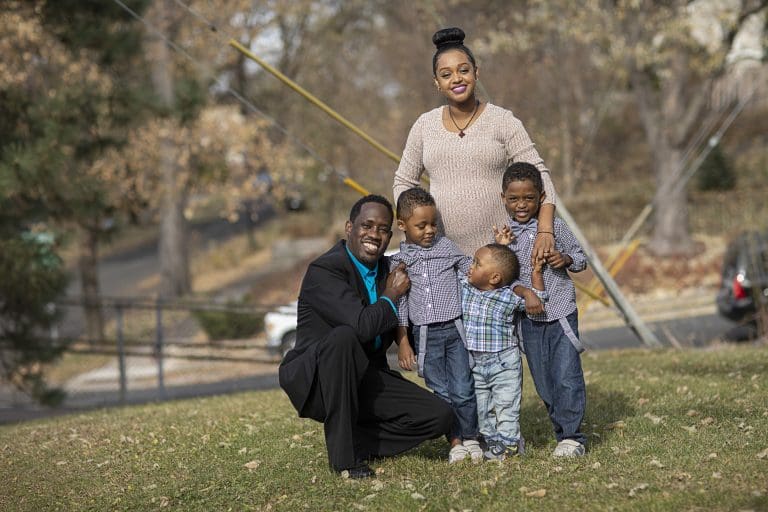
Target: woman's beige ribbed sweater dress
{"type": "Point", "coordinates": [465, 172]}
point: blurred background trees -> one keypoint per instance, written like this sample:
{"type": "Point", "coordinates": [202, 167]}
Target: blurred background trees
{"type": "Point", "coordinates": [65, 104]}
{"type": "Point", "coordinates": [103, 125]}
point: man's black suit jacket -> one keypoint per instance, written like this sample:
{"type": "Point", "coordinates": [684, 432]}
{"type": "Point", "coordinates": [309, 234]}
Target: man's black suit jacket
{"type": "Point", "coordinates": [333, 294]}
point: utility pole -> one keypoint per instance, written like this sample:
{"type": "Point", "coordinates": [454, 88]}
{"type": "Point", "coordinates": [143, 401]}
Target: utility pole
{"type": "Point", "coordinates": [631, 318]}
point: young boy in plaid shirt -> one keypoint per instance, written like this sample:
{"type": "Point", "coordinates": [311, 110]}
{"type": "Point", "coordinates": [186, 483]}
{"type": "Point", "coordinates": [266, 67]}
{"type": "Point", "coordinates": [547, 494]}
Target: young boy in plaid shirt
{"type": "Point", "coordinates": [551, 339]}
{"type": "Point", "coordinates": [490, 307]}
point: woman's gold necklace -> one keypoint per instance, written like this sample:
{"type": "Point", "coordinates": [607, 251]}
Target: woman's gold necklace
{"type": "Point", "coordinates": [461, 130]}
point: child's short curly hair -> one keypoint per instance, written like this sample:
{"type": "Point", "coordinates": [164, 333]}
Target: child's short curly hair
{"type": "Point", "coordinates": [507, 262]}
{"type": "Point", "coordinates": [522, 171]}
{"type": "Point", "coordinates": [411, 199]}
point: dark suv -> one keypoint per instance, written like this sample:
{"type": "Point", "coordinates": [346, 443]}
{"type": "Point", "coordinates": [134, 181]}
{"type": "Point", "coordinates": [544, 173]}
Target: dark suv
{"type": "Point", "coordinates": [744, 286]}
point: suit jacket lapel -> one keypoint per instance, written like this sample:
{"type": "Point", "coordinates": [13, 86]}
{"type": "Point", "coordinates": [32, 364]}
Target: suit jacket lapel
{"type": "Point", "coordinates": [381, 276]}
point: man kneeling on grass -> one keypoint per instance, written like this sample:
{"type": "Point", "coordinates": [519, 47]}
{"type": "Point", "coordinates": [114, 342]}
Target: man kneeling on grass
{"type": "Point", "coordinates": [338, 373]}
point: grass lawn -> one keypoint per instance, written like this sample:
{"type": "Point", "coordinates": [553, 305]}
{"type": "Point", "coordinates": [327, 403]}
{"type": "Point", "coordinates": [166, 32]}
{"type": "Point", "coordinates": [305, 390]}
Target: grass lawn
{"type": "Point", "coordinates": [669, 430]}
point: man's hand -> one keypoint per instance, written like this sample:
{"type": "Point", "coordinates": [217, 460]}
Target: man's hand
{"type": "Point", "coordinates": [397, 283]}
{"type": "Point", "coordinates": [503, 236]}
{"type": "Point", "coordinates": [405, 356]}
{"type": "Point", "coordinates": [556, 259]}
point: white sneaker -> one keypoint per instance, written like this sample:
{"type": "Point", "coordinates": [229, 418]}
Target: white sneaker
{"type": "Point", "coordinates": [474, 450]}
{"type": "Point", "coordinates": [568, 448]}
{"type": "Point", "coordinates": [457, 454]}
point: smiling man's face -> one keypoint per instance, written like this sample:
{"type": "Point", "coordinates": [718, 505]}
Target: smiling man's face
{"type": "Point", "coordinates": [368, 235]}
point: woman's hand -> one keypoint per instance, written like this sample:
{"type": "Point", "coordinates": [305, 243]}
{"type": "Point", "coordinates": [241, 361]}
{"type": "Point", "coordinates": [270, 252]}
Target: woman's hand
{"type": "Point", "coordinates": [543, 247]}
{"type": "Point", "coordinates": [544, 244]}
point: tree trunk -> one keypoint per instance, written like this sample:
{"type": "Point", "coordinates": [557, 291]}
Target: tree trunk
{"type": "Point", "coordinates": [564, 76]}
{"type": "Point", "coordinates": [88, 262]}
{"type": "Point", "coordinates": [174, 259]}
{"type": "Point", "coordinates": [666, 121]}
{"type": "Point", "coordinates": [175, 279]}
{"type": "Point", "coordinates": [566, 148]}
{"type": "Point", "coordinates": [671, 232]}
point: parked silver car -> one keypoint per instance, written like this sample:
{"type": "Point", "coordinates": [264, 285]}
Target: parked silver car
{"type": "Point", "coordinates": [280, 327]}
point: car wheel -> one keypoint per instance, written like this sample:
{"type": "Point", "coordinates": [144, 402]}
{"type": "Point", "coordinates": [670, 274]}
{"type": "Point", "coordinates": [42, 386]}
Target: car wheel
{"type": "Point", "coordinates": [289, 340]}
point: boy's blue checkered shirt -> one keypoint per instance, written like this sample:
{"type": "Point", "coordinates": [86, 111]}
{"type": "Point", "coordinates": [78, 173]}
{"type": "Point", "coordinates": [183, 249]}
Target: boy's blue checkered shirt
{"type": "Point", "coordinates": [434, 293]}
{"type": "Point", "coordinates": [489, 316]}
{"type": "Point", "coordinates": [557, 282]}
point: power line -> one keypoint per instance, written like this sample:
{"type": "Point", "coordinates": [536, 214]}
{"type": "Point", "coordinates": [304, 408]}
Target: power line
{"type": "Point", "coordinates": [714, 140]}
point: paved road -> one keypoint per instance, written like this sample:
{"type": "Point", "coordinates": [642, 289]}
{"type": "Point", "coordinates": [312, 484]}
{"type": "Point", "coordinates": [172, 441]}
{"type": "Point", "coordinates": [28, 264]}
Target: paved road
{"type": "Point", "coordinates": [694, 331]}
{"type": "Point", "coordinates": [124, 274]}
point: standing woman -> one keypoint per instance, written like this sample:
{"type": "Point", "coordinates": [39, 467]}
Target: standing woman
{"type": "Point", "coordinates": [465, 147]}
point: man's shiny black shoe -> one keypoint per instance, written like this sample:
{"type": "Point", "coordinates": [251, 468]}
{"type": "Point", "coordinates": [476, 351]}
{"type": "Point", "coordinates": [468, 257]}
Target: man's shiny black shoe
{"type": "Point", "coordinates": [360, 471]}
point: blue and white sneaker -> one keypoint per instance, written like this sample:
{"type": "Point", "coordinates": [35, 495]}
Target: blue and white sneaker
{"type": "Point", "coordinates": [500, 451]}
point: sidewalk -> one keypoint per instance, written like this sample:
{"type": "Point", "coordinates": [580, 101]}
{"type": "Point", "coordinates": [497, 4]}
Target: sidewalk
{"type": "Point", "coordinates": [653, 307]}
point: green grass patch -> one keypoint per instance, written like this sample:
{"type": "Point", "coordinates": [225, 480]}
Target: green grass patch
{"type": "Point", "coordinates": [668, 431]}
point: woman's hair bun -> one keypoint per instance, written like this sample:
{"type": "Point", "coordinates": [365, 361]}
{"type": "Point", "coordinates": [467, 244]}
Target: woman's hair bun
{"type": "Point", "coordinates": [448, 36]}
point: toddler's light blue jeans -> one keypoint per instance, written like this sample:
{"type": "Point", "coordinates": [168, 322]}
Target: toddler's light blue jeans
{"type": "Point", "coordinates": [498, 388]}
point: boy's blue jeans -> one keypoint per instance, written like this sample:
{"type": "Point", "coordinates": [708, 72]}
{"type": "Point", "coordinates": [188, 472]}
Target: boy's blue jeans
{"type": "Point", "coordinates": [498, 385]}
{"type": "Point", "coordinates": [447, 373]}
{"type": "Point", "coordinates": [556, 370]}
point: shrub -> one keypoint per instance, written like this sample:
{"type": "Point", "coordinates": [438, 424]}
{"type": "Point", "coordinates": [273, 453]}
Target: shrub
{"type": "Point", "coordinates": [228, 325]}
{"type": "Point", "coordinates": [716, 172]}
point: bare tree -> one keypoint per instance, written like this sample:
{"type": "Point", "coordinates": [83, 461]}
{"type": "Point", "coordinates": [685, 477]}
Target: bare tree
{"type": "Point", "coordinates": [175, 279]}
{"type": "Point", "coordinates": [671, 74]}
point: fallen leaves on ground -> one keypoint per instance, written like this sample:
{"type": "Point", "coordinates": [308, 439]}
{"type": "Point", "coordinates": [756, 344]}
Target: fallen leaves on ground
{"type": "Point", "coordinates": [254, 464]}
{"type": "Point", "coordinates": [654, 419]}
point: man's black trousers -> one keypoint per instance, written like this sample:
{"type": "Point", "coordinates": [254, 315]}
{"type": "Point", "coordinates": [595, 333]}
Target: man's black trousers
{"type": "Point", "coordinates": [369, 412]}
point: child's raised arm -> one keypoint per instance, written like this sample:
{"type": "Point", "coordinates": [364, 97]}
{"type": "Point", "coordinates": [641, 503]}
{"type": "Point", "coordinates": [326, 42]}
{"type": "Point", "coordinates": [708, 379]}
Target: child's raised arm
{"type": "Point", "coordinates": [537, 274]}
{"type": "Point", "coordinates": [534, 298]}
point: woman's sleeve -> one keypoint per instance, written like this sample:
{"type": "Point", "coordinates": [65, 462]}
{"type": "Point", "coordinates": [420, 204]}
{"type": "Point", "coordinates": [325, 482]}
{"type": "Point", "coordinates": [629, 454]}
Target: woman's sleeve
{"type": "Point", "coordinates": [408, 174]}
{"type": "Point", "coordinates": [520, 148]}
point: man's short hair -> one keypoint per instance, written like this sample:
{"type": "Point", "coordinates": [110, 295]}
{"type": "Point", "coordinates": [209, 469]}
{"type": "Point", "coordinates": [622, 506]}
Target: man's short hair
{"type": "Point", "coordinates": [522, 171]}
{"type": "Point", "coordinates": [412, 199]}
{"type": "Point", "coordinates": [370, 198]}
{"type": "Point", "coordinates": [505, 258]}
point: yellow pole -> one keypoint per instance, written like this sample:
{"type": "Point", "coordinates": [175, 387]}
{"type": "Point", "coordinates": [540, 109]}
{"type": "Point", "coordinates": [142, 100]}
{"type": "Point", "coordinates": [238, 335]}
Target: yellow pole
{"type": "Point", "coordinates": [621, 259]}
{"type": "Point", "coordinates": [590, 293]}
{"type": "Point", "coordinates": [313, 99]}
{"type": "Point", "coordinates": [356, 186]}
{"type": "Point", "coordinates": [631, 318]}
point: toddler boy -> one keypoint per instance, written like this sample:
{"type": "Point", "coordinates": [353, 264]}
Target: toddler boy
{"type": "Point", "coordinates": [490, 307]}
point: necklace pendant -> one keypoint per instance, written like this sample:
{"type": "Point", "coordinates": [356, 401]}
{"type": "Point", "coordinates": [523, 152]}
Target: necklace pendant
{"type": "Point", "coordinates": [461, 133]}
